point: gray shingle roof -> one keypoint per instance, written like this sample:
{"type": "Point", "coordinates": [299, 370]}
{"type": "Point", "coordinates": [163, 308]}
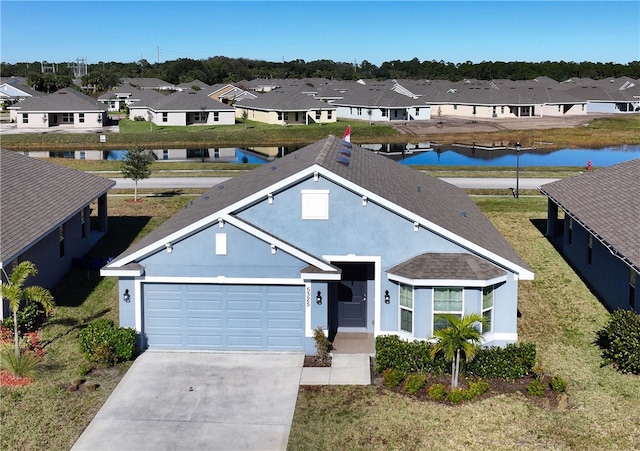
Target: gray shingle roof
{"type": "Point", "coordinates": [606, 202]}
{"type": "Point", "coordinates": [64, 100]}
{"type": "Point", "coordinates": [37, 196]}
{"type": "Point", "coordinates": [284, 100]}
{"type": "Point", "coordinates": [188, 100]}
{"type": "Point", "coordinates": [428, 197]}
{"type": "Point", "coordinates": [436, 266]}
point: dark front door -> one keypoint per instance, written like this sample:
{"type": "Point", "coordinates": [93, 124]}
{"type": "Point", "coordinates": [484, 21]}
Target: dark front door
{"type": "Point", "coordinates": [349, 295]}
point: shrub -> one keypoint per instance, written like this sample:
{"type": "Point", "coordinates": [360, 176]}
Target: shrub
{"type": "Point", "coordinates": [322, 343]}
{"type": "Point", "coordinates": [558, 384]}
{"type": "Point", "coordinates": [408, 356]}
{"type": "Point", "coordinates": [620, 341]}
{"type": "Point", "coordinates": [477, 388]}
{"type": "Point", "coordinates": [103, 343]}
{"type": "Point", "coordinates": [414, 383]}
{"type": "Point", "coordinates": [511, 362]}
{"type": "Point", "coordinates": [536, 387]}
{"type": "Point", "coordinates": [24, 365]}
{"type": "Point", "coordinates": [437, 392]}
{"type": "Point", "coordinates": [392, 377]}
{"type": "Point", "coordinates": [30, 318]}
{"type": "Point", "coordinates": [457, 395]}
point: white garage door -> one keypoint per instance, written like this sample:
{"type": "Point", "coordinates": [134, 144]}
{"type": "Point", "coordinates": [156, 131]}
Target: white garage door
{"type": "Point", "coordinates": [225, 317]}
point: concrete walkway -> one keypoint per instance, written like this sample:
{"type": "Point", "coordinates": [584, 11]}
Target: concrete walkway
{"type": "Point", "coordinates": [346, 369]}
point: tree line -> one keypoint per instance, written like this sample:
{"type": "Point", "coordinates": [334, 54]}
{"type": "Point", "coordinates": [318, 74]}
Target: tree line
{"type": "Point", "coordinates": [103, 76]}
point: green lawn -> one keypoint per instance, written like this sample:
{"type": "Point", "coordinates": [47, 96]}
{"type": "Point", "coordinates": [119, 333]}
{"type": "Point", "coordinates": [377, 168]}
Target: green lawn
{"type": "Point", "coordinates": [559, 314]}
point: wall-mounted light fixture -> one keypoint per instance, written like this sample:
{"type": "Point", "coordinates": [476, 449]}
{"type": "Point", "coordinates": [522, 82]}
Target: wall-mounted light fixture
{"type": "Point", "coordinates": [364, 201]}
{"type": "Point", "coordinates": [126, 297]}
{"type": "Point", "coordinates": [273, 248]}
{"type": "Point", "coordinates": [387, 297]}
{"type": "Point", "coordinates": [364, 297]}
{"type": "Point", "coordinates": [169, 247]}
{"type": "Point", "coordinates": [319, 298]}
{"type": "Point", "coordinates": [221, 222]}
{"type": "Point", "coordinates": [316, 176]}
{"type": "Point", "coordinates": [270, 198]}
{"type": "Point", "coordinates": [416, 226]}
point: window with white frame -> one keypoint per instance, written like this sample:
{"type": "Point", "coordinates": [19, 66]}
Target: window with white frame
{"type": "Point", "coordinates": [165, 117]}
{"type": "Point", "coordinates": [487, 308]}
{"type": "Point", "coordinates": [81, 118]}
{"type": "Point", "coordinates": [632, 288]}
{"type": "Point", "coordinates": [25, 118]}
{"type": "Point", "coordinates": [446, 300]}
{"type": "Point", "coordinates": [406, 308]}
{"type": "Point", "coordinates": [315, 204]}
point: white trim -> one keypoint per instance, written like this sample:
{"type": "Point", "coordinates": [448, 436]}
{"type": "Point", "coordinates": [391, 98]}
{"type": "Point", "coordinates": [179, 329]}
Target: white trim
{"type": "Point", "coordinates": [223, 280]}
{"type": "Point", "coordinates": [447, 282]}
{"type": "Point", "coordinates": [320, 276]}
{"type": "Point", "coordinates": [122, 272]}
{"type": "Point", "coordinates": [500, 336]}
{"type": "Point", "coordinates": [308, 332]}
{"type": "Point", "coordinates": [412, 309]}
{"type": "Point", "coordinates": [377, 275]}
{"type": "Point", "coordinates": [435, 312]}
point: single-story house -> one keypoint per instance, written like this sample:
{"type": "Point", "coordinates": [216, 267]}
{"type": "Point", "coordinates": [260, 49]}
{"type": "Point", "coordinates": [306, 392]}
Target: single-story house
{"type": "Point", "coordinates": [117, 99]}
{"type": "Point", "coordinates": [64, 108]}
{"type": "Point", "coordinates": [331, 236]}
{"type": "Point", "coordinates": [186, 107]}
{"type": "Point", "coordinates": [150, 83]}
{"type": "Point", "coordinates": [599, 233]}
{"type": "Point", "coordinates": [14, 90]}
{"type": "Point", "coordinates": [51, 215]}
{"type": "Point", "coordinates": [228, 94]}
{"type": "Point", "coordinates": [378, 102]}
{"type": "Point", "coordinates": [284, 106]}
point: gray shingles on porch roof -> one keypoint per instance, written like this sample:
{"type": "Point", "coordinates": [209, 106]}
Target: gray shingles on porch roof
{"type": "Point", "coordinates": [428, 197]}
{"type": "Point", "coordinates": [37, 196]}
{"type": "Point", "coordinates": [440, 266]}
{"type": "Point", "coordinates": [606, 202]}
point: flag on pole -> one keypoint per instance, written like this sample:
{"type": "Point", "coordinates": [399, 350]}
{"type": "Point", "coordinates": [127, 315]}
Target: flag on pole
{"type": "Point", "coordinates": [347, 135]}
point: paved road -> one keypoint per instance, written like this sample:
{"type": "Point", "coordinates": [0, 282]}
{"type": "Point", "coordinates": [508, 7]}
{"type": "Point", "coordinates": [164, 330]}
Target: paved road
{"type": "Point", "coordinates": [207, 182]}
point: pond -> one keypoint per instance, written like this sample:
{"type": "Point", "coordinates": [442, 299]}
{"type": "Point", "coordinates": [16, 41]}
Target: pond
{"type": "Point", "coordinates": [409, 154]}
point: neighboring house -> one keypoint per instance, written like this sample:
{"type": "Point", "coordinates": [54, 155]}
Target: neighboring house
{"type": "Point", "coordinates": [378, 102]}
{"type": "Point", "coordinates": [150, 83]}
{"type": "Point", "coordinates": [599, 233]}
{"type": "Point", "coordinates": [50, 215]}
{"type": "Point", "coordinates": [183, 108]}
{"type": "Point", "coordinates": [14, 90]}
{"type": "Point", "coordinates": [64, 108]}
{"type": "Point", "coordinates": [195, 85]}
{"type": "Point", "coordinates": [117, 99]}
{"type": "Point", "coordinates": [286, 107]}
{"type": "Point", "coordinates": [229, 94]}
{"type": "Point", "coordinates": [331, 236]}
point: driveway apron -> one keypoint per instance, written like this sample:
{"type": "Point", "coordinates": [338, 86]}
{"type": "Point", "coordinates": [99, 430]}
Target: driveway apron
{"type": "Point", "coordinates": [199, 400]}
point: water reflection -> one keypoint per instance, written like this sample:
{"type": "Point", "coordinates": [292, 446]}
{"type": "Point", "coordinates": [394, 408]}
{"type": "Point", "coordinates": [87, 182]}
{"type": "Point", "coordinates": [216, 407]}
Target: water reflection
{"type": "Point", "coordinates": [409, 154]}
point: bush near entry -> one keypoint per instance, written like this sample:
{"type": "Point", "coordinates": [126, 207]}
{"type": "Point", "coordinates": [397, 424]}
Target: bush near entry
{"type": "Point", "coordinates": [103, 343]}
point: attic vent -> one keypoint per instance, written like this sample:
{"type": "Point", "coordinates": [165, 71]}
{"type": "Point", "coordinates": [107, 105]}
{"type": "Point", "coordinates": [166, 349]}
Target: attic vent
{"type": "Point", "coordinates": [273, 168]}
{"type": "Point", "coordinates": [342, 160]}
{"type": "Point", "coordinates": [206, 197]}
{"type": "Point", "coordinates": [344, 151]}
{"type": "Point", "coordinates": [220, 186]}
{"type": "Point", "coordinates": [463, 214]}
{"type": "Point", "coordinates": [419, 189]}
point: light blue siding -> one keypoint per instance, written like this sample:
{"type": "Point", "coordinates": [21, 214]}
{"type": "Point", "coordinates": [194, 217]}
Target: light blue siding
{"type": "Point", "coordinates": [233, 317]}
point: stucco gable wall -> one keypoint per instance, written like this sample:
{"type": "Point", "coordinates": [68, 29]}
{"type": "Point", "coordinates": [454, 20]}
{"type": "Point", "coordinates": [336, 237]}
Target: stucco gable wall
{"type": "Point", "coordinates": [247, 257]}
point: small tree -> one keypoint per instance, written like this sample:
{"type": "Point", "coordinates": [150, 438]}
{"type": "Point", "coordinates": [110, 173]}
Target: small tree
{"type": "Point", "coordinates": [245, 115]}
{"type": "Point", "coordinates": [14, 291]}
{"type": "Point", "coordinates": [135, 166]}
{"type": "Point", "coordinates": [461, 336]}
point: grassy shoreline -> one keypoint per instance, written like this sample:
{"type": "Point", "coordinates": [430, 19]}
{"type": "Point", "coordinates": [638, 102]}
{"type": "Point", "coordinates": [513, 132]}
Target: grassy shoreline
{"type": "Point", "coordinates": [600, 132]}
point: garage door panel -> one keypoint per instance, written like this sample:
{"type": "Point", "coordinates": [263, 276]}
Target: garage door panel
{"type": "Point", "coordinates": [239, 317]}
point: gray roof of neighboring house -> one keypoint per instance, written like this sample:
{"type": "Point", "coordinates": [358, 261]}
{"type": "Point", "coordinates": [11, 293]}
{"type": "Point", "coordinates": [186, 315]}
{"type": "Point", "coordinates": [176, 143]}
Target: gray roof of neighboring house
{"type": "Point", "coordinates": [148, 83]}
{"type": "Point", "coordinates": [607, 203]}
{"type": "Point", "coordinates": [284, 100]}
{"type": "Point", "coordinates": [64, 100]}
{"type": "Point", "coordinates": [428, 197]}
{"type": "Point", "coordinates": [191, 84]}
{"type": "Point", "coordinates": [377, 95]}
{"type": "Point", "coordinates": [37, 196]}
{"type": "Point", "coordinates": [124, 89]}
{"type": "Point", "coordinates": [188, 100]}
{"type": "Point", "coordinates": [443, 266]}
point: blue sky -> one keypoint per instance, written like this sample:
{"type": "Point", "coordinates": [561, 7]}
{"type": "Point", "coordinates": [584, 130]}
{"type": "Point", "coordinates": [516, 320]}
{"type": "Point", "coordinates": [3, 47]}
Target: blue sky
{"type": "Point", "coordinates": [451, 31]}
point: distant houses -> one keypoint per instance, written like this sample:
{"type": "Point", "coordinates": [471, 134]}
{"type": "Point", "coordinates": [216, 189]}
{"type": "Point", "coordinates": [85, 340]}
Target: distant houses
{"type": "Point", "coordinates": [318, 101]}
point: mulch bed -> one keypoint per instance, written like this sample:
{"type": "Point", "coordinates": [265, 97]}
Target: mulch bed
{"type": "Point", "coordinates": [314, 361]}
{"type": "Point", "coordinates": [9, 380]}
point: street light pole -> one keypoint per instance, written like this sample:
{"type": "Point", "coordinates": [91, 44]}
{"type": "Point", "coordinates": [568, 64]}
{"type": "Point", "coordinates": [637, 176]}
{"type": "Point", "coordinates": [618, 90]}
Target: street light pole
{"type": "Point", "coordinates": [518, 147]}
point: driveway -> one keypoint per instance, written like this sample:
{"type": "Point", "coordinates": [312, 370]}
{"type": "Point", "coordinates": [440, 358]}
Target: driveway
{"type": "Point", "coordinates": [199, 400]}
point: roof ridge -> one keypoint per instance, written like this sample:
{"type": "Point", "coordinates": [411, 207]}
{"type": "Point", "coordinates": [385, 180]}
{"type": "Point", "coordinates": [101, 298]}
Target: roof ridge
{"type": "Point", "coordinates": [324, 151]}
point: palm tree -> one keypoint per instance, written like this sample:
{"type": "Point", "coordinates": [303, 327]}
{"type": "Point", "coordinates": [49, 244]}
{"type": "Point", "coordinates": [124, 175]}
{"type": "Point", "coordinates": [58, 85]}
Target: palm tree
{"type": "Point", "coordinates": [461, 336]}
{"type": "Point", "coordinates": [15, 293]}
